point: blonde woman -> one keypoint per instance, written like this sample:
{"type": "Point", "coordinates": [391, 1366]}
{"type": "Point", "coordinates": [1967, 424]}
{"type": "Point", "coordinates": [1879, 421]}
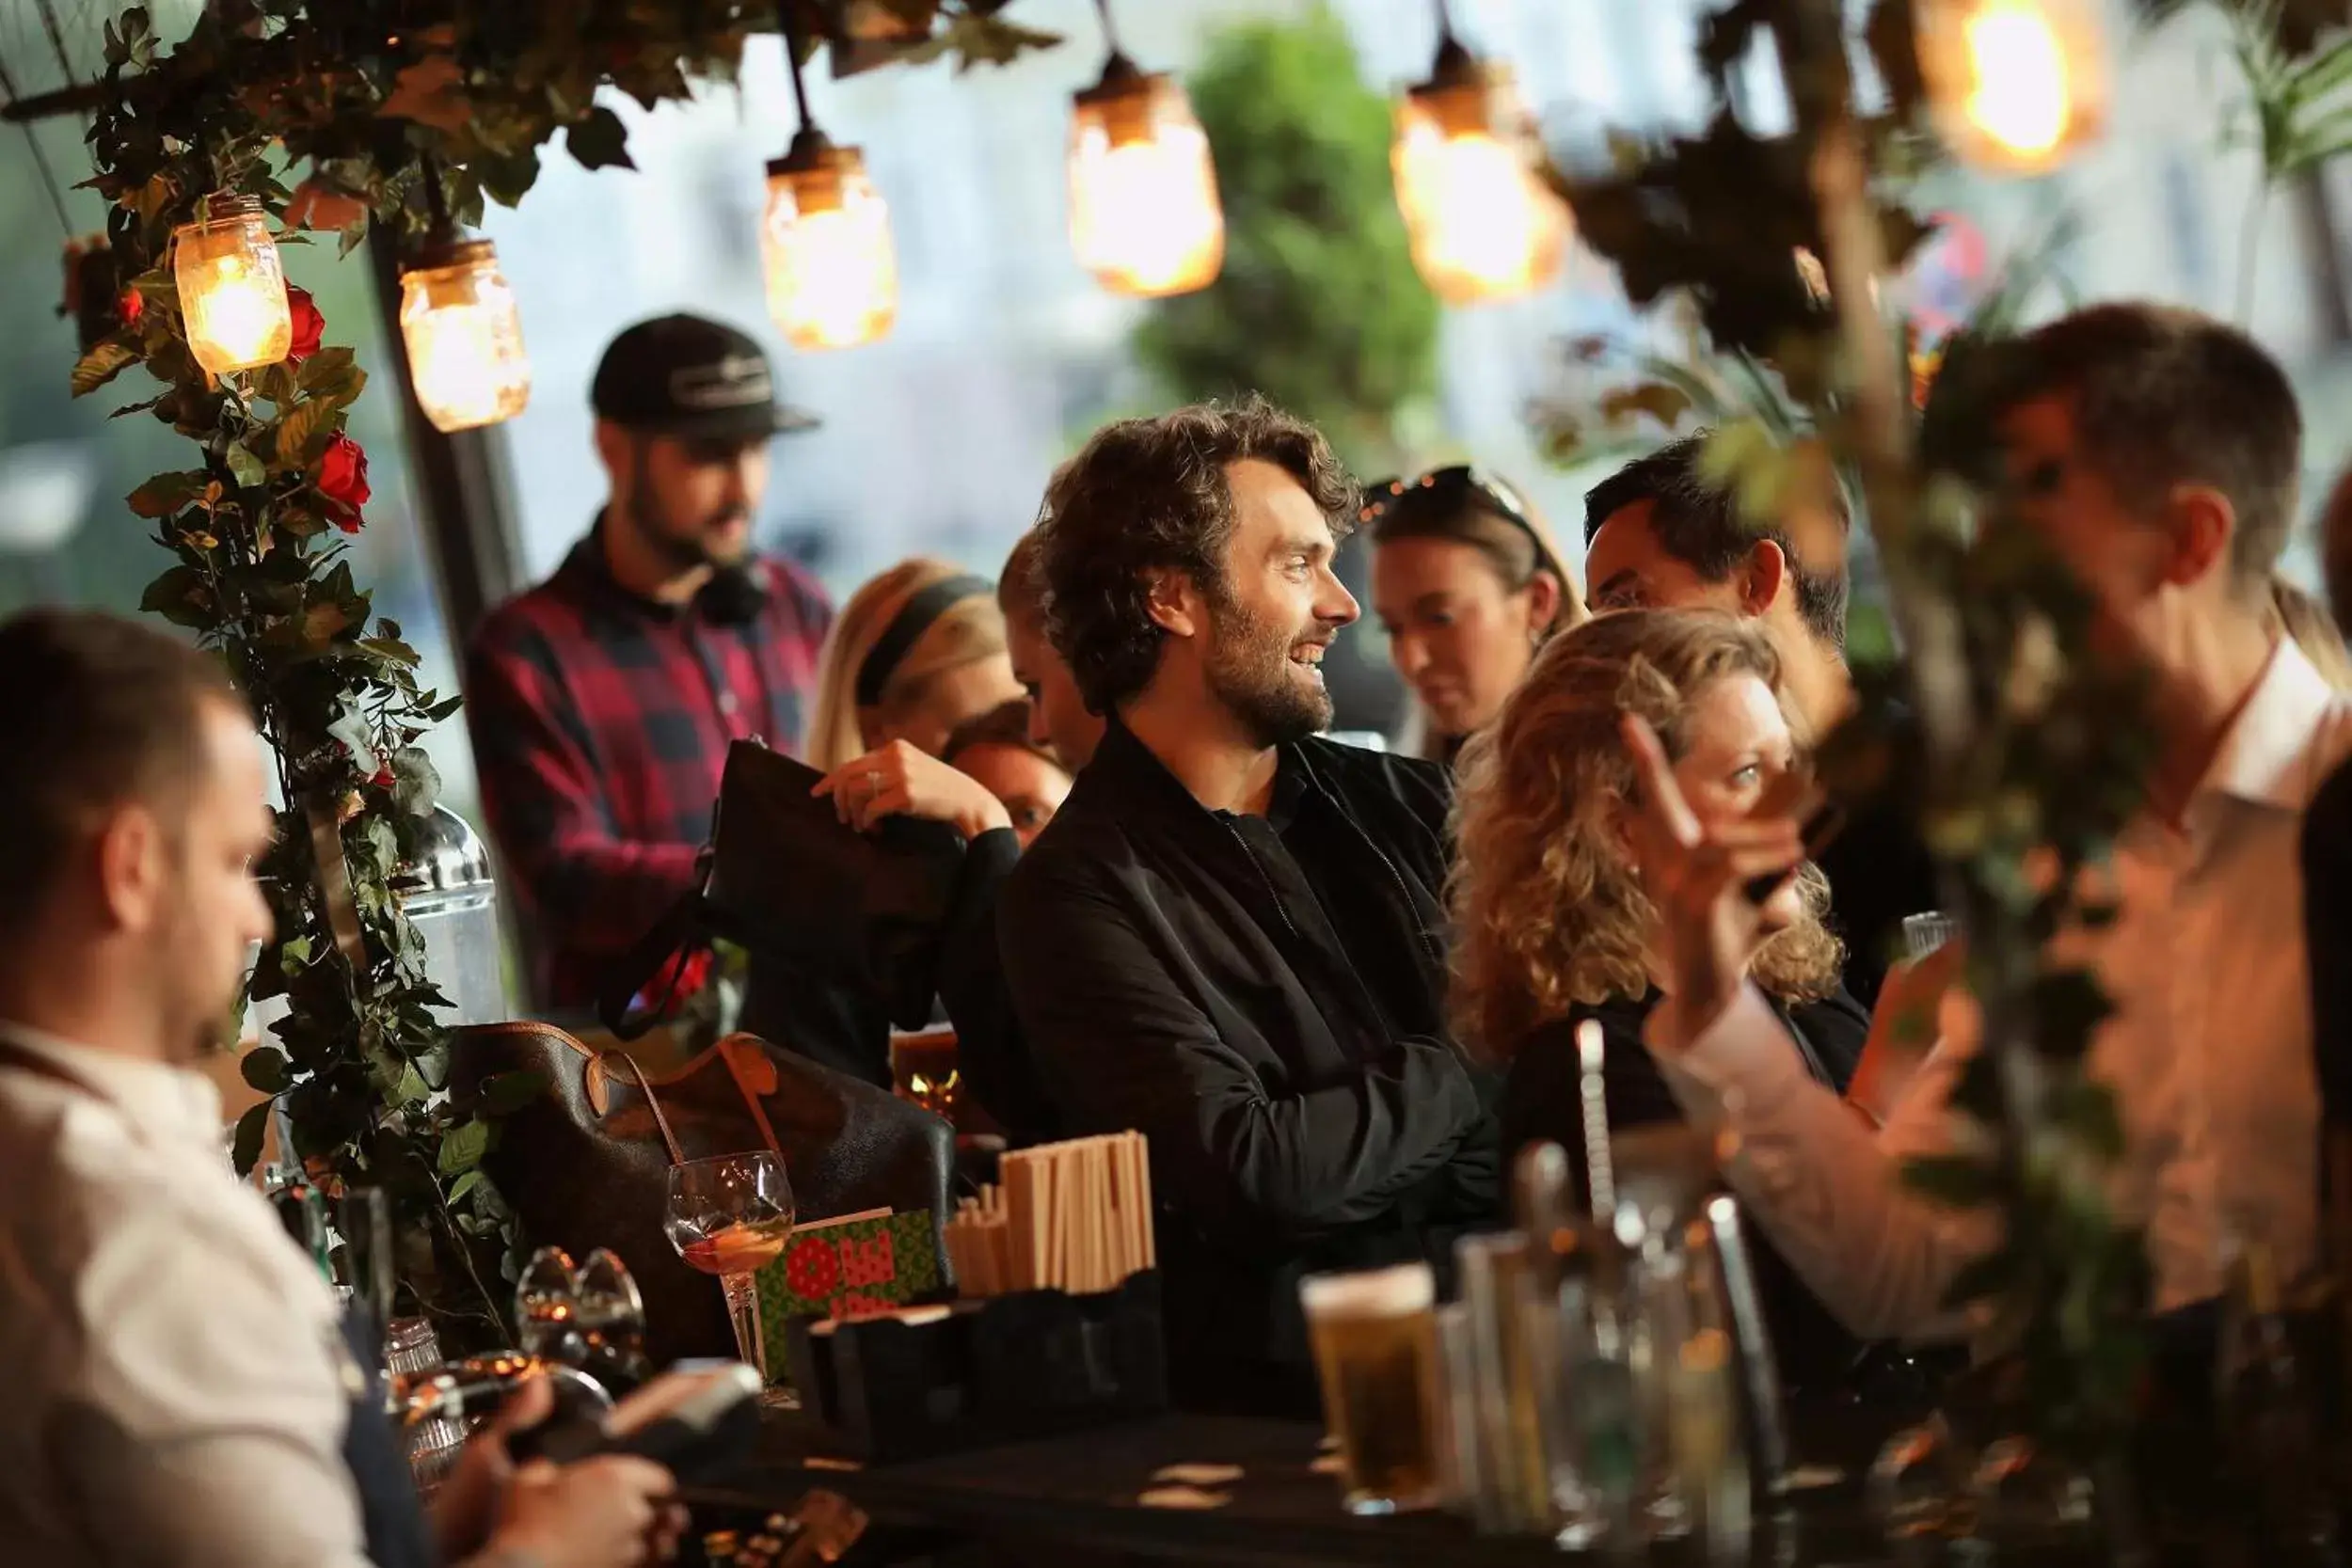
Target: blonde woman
{"type": "Point", "coordinates": [915, 652]}
{"type": "Point", "coordinates": [1551, 926]}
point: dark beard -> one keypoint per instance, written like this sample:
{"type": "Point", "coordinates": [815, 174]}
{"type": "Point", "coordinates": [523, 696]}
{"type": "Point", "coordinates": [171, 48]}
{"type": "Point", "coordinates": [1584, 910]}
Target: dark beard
{"type": "Point", "coordinates": [683, 549]}
{"type": "Point", "coordinates": [1248, 672]}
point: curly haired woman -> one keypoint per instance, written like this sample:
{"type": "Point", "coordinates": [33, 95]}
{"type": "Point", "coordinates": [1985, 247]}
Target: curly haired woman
{"type": "Point", "coordinates": [1551, 924]}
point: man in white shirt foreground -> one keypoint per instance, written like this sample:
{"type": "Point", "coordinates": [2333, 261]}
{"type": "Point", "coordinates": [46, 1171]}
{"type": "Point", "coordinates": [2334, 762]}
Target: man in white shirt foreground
{"type": "Point", "coordinates": [178, 1390]}
{"type": "Point", "coordinates": [2157, 451]}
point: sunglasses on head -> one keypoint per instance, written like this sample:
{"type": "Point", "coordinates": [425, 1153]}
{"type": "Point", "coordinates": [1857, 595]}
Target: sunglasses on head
{"type": "Point", "coordinates": [1447, 487]}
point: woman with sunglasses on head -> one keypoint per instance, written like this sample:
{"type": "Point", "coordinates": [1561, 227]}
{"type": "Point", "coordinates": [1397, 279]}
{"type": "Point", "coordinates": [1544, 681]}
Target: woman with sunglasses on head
{"type": "Point", "coordinates": [1467, 584]}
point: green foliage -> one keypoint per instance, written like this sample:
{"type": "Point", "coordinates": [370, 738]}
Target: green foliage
{"type": "Point", "coordinates": [2018, 755]}
{"type": "Point", "coordinates": [1318, 306]}
{"type": "Point", "coordinates": [373, 97]}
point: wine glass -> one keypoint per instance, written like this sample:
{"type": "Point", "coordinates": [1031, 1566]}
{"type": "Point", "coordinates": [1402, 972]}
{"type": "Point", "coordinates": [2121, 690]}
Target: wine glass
{"type": "Point", "coordinates": [730, 1215]}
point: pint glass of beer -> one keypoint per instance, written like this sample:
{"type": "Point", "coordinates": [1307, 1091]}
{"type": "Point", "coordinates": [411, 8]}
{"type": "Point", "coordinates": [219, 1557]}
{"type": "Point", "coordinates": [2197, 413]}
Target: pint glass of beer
{"type": "Point", "coordinates": [1376, 1353]}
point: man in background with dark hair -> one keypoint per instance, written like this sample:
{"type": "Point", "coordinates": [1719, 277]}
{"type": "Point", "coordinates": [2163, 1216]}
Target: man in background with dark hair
{"type": "Point", "coordinates": [2156, 452]}
{"type": "Point", "coordinates": [602, 702]}
{"type": "Point", "coordinates": [178, 1386]}
{"type": "Point", "coordinates": [1230, 938]}
{"type": "Point", "coordinates": [1658, 534]}
{"type": "Point", "coordinates": [1058, 715]}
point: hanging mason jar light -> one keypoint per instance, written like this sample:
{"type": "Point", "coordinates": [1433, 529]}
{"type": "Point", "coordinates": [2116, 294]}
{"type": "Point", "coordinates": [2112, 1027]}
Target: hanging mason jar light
{"type": "Point", "coordinates": [460, 323]}
{"type": "Point", "coordinates": [832, 270]}
{"type": "Point", "coordinates": [465, 336]}
{"type": "Point", "coordinates": [232, 289]}
{"type": "Point", "coordinates": [1482, 222]}
{"type": "Point", "coordinates": [2017, 85]}
{"type": "Point", "coordinates": [1144, 214]}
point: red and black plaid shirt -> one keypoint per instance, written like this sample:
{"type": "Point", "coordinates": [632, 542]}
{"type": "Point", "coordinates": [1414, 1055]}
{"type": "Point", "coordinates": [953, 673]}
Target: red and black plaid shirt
{"type": "Point", "coordinates": [600, 725]}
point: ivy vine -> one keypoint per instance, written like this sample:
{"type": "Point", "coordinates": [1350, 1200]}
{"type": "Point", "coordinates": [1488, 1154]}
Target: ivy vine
{"type": "Point", "coordinates": [354, 103]}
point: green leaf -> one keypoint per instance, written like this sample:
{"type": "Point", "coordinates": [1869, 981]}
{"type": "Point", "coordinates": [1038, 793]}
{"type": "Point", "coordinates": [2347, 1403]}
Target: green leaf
{"type": "Point", "coordinates": [101, 364]}
{"type": "Point", "coordinates": [1955, 1180]}
{"type": "Point", "coordinates": [166, 494]}
{"type": "Point", "coordinates": [416, 782]}
{"type": "Point", "coordinates": [439, 712]}
{"type": "Point", "coordinates": [464, 1184]}
{"type": "Point", "coordinates": [247, 468]}
{"type": "Point", "coordinates": [266, 1069]}
{"type": "Point", "coordinates": [599, 141]}
{"type": "Point", "coordinates": [325, 366]}
{"type": "Point", "coordinates": [2066, 1005]}
{"type": "Point", "coordinates": [246, 1152]}
{"type": "Point", "coordinates": [463, 1148]}
{"type": "Point", "coordinates": [504, 1093]}
{"type": "Point", "coordinates": [2087, 1110]}
{"type": "Point", "coordinates": [181, 596]}
{"type": "Point", "coordinates": [304, 427]}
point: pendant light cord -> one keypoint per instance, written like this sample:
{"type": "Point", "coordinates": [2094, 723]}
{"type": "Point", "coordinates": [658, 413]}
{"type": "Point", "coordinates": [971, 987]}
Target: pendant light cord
{"type": "Point", "coordinates": [1110, 33]}
{"type": "Point", "coordinates": [40, 157]}
{"type": "Point", "coordinates": [436, 202]}
{"type": "Point", "coordinates": [792, 63]}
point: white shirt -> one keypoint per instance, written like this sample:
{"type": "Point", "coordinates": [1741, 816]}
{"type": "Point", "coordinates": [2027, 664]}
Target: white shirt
{"type": "Point", "coordinates": [173, 1384]}
{"type": "Point", "coordinates": [2209, 1055]}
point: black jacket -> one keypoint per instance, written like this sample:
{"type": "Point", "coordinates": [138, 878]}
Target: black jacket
{"type": "Point", "coordinates": [1183, 971]}
{"type": "Point", "coordinates": [1544, 1099]}
{"type": "Point", "coordinates": [990, 1051]}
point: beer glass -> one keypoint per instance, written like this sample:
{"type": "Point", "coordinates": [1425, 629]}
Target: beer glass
{"type": "Point", "coordinates": [1374, 1336]}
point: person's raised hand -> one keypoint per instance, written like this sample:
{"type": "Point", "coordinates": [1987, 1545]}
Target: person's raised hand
{"type": "Point", "coordinates": [1697, 875]}
{"type": "Point", "coordinates": [1907, 1023]}
{"type": "Point", "coordinates": [898, 780]}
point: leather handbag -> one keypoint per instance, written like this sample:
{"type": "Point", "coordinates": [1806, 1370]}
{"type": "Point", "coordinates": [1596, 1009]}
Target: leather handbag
{"type": "Point", "coordinates": [818, 905]}
{"type": "Point", "coordinates": [586, 1164]}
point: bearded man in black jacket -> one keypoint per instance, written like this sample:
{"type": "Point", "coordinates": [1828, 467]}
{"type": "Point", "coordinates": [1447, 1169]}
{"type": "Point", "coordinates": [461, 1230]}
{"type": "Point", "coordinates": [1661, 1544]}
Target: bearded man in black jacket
{"type": "Point", "coordinates": [1231, 936]}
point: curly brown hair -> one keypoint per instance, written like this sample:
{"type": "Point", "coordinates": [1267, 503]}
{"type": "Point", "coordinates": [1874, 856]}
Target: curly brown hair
{"type": "Point", "coordinates": [1547, 912]}
{"type": "Point", "coordinates": [1147, 496]}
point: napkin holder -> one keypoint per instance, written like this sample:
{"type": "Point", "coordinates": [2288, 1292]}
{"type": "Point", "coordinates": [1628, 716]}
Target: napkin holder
{"type": "Point", "coordinates": [1004, 1370]}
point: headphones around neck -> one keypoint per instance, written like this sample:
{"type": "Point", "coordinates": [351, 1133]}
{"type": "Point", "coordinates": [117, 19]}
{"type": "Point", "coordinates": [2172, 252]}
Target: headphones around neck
{"type": "Point", "coordinates": [734, 597]}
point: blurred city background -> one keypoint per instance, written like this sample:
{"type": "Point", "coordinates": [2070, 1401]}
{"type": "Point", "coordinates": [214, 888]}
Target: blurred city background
{"type": "Point", "coordinates": [939, 439]}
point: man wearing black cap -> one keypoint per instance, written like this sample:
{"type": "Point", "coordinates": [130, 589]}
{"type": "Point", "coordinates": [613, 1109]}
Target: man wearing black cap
{"type": "Point", "coordinates": [603, 700]}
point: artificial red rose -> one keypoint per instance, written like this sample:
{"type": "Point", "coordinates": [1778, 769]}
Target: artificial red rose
{"type": "Point", "coordinates": [383, 778]}
{"type": "Point", "coordinates": [308, 325]}
{"type": "Point", "coordinates": [340, 477]}
{"type": "Point", "coordinates": [130, 307]}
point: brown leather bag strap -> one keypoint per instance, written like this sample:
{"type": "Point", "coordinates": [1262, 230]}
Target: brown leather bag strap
{"type": "Point", "coordinates": [653, 1102]}
{"type": "Point", "coordinates": [733, 1050]}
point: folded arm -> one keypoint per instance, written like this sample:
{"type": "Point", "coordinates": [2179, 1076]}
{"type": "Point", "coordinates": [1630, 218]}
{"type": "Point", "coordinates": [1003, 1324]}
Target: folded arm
{"type": "Point", "coordinates": [1122, 1046]}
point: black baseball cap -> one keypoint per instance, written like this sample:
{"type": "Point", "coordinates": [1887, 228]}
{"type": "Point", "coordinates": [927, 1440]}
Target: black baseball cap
{"type": "Point", "coordinates": [693, 377]}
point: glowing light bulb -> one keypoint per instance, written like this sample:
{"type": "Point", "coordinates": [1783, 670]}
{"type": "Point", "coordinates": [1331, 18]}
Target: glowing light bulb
{"type": "Point", "coordinates": [1481, 223]}
{"type": "Point", "coordinates": [231, 288]}
{"type": "Point", "coordinates": [2018, 84]}
{"type": "Point", "coordinates": [832, 269]}
{"type": "Point", "coordinates": [465, 338]}
{"type": "Point", "coordinates": [1144, 213]}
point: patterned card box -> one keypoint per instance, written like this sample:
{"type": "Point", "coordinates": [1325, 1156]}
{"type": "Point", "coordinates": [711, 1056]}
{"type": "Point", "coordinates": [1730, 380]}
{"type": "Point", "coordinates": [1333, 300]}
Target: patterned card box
{"type": "Point", "coordinates": [855, 1266]}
